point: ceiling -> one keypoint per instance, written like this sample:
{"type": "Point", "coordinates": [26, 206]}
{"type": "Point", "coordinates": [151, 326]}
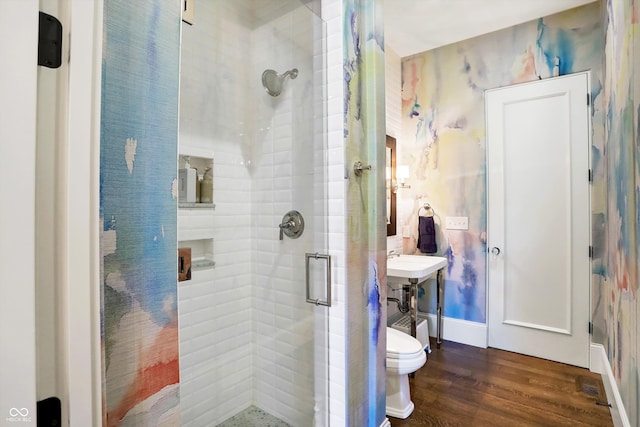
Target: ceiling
{"type": "Point", "coordinates": [413, 26]}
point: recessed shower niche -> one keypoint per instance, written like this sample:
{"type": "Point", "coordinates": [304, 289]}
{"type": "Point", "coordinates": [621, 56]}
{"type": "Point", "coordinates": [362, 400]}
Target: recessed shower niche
{"type": "Point", "coordinates": [195, 180]}
{"type": "Point", "coordinates": [195, 206]}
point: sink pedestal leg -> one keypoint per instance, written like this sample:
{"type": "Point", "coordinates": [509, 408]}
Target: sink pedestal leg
{"type": "Point", "coordinates": [413, 306]}
{"type": "Point", "coordinates": [413, 311]}
{"type": "Point", "coordinates": [440, 302]}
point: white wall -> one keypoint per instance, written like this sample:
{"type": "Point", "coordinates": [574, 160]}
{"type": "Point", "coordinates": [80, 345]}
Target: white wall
{"type": "Point", "coordinates": [18, 82]}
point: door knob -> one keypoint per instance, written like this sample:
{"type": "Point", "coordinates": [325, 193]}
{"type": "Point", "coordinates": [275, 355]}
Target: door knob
{"type": "Point", "coordinates": [495, 250]}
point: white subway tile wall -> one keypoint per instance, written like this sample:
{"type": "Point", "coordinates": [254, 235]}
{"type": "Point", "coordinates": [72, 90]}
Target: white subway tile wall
{"type": "Point", "coordinates": [393, 105]}
{"type": "Point", "coordinates": [244, 333]}
{"type": "Point", "coordinates": [332, 13]}
{"type": "Point", "coordinates": [215, 318]}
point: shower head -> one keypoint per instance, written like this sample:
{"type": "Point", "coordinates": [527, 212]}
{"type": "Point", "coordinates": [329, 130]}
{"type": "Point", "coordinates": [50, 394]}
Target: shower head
{"type": "Point", "coordinates": [273, 82]}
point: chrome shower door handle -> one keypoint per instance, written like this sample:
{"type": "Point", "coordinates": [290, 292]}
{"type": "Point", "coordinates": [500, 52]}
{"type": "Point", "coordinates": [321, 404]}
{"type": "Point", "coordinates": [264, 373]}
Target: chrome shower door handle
{"type": "Point", "coordinates": [317, 301]}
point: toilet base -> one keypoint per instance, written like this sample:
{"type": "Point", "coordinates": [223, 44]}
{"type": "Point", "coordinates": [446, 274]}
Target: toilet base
{"type": "Point", "coordinates": [399, 404]}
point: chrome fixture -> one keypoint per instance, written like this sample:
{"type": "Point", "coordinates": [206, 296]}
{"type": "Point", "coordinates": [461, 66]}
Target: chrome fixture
{"type": "Point", "coordinates": [274, 82]}
{"type": "Point", "coordinates": [402, 307]}
{"type": "Point", "coordinates": [410, 293]}
{"type": "Point", "coordinates": [428, 210]}
{"type": "Point", "coordinates": [359, 167]}
{"type": "Point", "coordinates": [317, 301]}
{"type": "Point", "coordinates": [292, 225]}
{"type": "Point", "coordinates": [392, 253]}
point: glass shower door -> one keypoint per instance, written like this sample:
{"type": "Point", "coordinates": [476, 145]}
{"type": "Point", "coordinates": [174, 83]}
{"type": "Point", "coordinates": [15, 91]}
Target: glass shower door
{"type": "Point", "coordinates": [249, 341]}
{"type": "Point", "coordinates": [291, 374]}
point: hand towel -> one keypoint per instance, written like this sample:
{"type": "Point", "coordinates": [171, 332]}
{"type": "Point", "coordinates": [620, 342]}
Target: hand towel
{"type": "Point", "coordinates": [427, 235]}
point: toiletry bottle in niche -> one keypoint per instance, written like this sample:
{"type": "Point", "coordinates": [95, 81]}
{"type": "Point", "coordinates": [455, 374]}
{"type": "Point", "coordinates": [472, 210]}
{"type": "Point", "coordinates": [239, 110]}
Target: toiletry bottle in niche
{"type": "Point", "coordinates": [206, 187]}
{"type": "Point", "coordinates": [198, 186]}
{"type": "Point", "coordinates": [187, 177]}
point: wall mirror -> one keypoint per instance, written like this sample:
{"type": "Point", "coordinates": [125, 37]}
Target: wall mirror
{"type": "Point", "coordinates": [391, 189]}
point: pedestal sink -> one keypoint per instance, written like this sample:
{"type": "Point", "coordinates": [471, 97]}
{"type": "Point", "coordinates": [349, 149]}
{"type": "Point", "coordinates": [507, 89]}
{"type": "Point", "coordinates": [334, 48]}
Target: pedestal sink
{"type": "Point", "coordinates": [416, 269]}
{"type": "Point", "coordinates": [419, 267]}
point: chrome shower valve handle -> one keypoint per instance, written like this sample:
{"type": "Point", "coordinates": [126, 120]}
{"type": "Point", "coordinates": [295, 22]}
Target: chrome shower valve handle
{"type": "Point", "coordinates": [292, 225]}
{"type": "Point", "coordinates": [285, 226]}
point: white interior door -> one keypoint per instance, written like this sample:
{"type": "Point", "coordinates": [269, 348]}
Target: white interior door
{"type": "Point", "coordinates": [538, 214]}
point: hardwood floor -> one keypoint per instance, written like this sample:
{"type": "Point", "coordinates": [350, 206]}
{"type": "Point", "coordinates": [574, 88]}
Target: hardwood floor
{"type": "Point", "coordinates": [469, 386]}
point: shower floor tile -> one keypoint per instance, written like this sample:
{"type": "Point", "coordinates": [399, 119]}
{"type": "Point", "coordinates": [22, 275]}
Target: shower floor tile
{"type": "Point", "coordinates": [253, 417]}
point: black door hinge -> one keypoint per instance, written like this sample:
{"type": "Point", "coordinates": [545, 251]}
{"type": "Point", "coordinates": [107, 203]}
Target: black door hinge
{"type": "Point", "coordinates": [49, 41]}
{"type": "Point", "coordinates": [590, 177]}
{"type": "Point", "coordinates": [590, 251]}
{"type": "Point", "coordinates": [590, 328]}
{"type": "Point", "coordinates": [49, 412]}
{"type": "Point", "coordinates": [588, 99]}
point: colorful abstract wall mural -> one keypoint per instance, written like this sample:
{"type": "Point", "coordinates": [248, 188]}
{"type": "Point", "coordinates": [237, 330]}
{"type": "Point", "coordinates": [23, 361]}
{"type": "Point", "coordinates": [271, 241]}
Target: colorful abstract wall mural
{"type": "Point", "coordinates": [443, 134]}
{"type": "Point", "coordinates": [138, 146]}
{"type": "Point", "coordinates": [618, 328]}
{"type": "Point", "coordinates": [443, 142]}
{"type": "Point", "coordinates": [364, 135]}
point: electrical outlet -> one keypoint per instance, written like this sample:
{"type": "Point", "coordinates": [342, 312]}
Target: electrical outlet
{"type": "Point", "coordinates": [457, 222]}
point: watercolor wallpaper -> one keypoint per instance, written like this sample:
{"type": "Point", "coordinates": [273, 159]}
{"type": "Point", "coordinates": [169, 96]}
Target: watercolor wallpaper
{"type": "Point", "coordinates": [443, 134]}
{"type": "Point", "coordinates": [364, 134]}
{"type": "Point", "coordinates": [618, 298]}
{"type": "Point", "coordinates": [443, 141]}
{"type": "Point", "coordinates": [138, 212]}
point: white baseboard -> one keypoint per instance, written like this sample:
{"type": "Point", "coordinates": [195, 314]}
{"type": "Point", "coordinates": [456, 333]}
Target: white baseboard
{"type": "Point", "coordinates": [386, 423]}
{"type": "Point", "coordinates": [460, 331]}
{"type": "Point", "coordinates": [595, 358]}
{"type": "Point", "coordinates": [599, 363]}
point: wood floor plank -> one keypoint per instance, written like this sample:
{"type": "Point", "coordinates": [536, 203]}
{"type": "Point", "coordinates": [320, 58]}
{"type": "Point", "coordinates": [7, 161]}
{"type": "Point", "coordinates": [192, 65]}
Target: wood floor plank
{"type": "Point", "coordinates": [468, 386]}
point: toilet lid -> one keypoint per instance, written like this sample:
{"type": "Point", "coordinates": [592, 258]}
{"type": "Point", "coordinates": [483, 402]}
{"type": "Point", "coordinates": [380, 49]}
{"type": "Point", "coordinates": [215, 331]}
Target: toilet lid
{"type": "Point", "coordinates": [400, 344]}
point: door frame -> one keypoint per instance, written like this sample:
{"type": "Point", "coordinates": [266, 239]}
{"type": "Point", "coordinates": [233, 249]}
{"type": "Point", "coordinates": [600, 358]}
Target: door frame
{"type": "Point", "coordinates": [589, 143]}
{"type": "Point", "coordinates": [78, 337]}
{"type": "Point", "coordinates": [78, 333]}
{"type": "Point", "coordinates": [82, 228]}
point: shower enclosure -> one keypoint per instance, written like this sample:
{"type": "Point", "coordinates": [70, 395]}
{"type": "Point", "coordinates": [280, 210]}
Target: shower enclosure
{"type": "Point", "coordinates": [252, 107]}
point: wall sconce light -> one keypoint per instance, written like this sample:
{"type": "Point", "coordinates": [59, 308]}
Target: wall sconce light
{"type": "Point", "coordinates": [403, 173]}
{"type": "Point", "coordinates": [391, 183]}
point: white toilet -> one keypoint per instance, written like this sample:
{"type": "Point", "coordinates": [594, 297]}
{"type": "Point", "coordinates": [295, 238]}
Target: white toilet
{"type": "Point", "coordinates": [405, 355]}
